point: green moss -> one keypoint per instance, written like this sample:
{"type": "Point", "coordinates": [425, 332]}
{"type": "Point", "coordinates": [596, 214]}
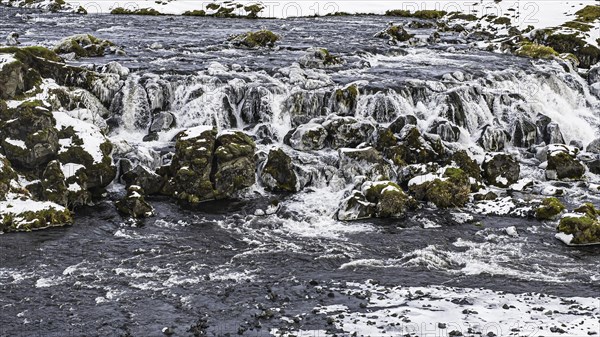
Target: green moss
{"type": "Point", "coordinates": [550, 209]}
{"type": "Point", "coordinates": [195, 13]}
{"type": "Point", "coordinates": [25, 54]}
{"type": "Point", "coordinates": [588, 209]}
{"type": "Point", "coordinates": [398, 12]}
{"type": "Point", "coordinates": [428, 14]}
{"type": "Point", "coordinates": [140, 11]}
{"type": "Point", "coordinates": [535, 50]}
{"type": "Point", "coordinates": [584, 27]}
{"type": "Point", "coordinates": [584, 229]}
{"type": "Point", "coordinates": [261, 38]}
{"type": "Point", "coordinates": [328, 58]}
{"type": "Point", "coordinates": [253, 10]}
{"type": "Point", "coordinates": [589, 13]}
{"type": "Point", "coordinates": [462, 16]}
{"type": "Point", "coordinates": [81, 10]}
{"type": "Point", "coordinates": [213, 6]}
{"type": "Point", "coordinates": [502, 21]}
{"type": "Point", "coordinates": [30, 220]}
{"type": "Point", "coordinates": [453, 191]}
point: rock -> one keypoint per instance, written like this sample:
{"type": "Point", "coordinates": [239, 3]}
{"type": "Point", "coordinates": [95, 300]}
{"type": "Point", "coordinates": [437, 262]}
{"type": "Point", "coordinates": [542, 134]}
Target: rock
{"type": "Point", "coordinates": [593, 146]}
{"type": "Point", "coordinates": [278, 174]}
{"type": "Point", "coordinates": [366, 162]}
{"type": "Point", "coordinates": [550, 209]}
{"type": "Point", "coordinates": [319, 58]}
{"type": "Point", "coordinates": [192, 164]}
{"type": "Point", "coordinates": [549, 132]}
{"type": "Point", "coordinates": [414, 148]}
{"type": "Point", "coordinates": [134, 205]}
{"type": "Point", "coordinates": [29, 137]}
{"type": "Point", "coordinates": [469, 166]}
{"type": "Point", "coordinates": [12, 39]}
{"type": "Point", "coordinates": [235, 163]}
{"type": "Point", "coordinates": [308, 137]}
{"type": "Point", "coordinates": [24, 214]}
{"type": "Point", "coordinates": [593, 74]}
{"type": "Point", "coordinates": [262, 38]}
{"type": "Point", "coordinates": [348, 132]}
{"type": "Point", "coordinates": [151, 137]}
{"type": "Point", "coordinates": [355, 207]}
{"type": "Point", "coordinates": [579, 229]}
{"type": "Point", "coordinates": [593, 166]}
{"type": "Point", "coordinates": [83, 45]}
{"type": "Point", "coordinates": [7, 176]}
{"type": "Point", "coordinates": [141, 176]}
{"type": "Point", "coordinates": [446, 130]}
{"type": "Point", "coordinates": [399, 123]}
{"type": "Point", "coordinates": [162, 121]}
{"type": "Point", "coordinates": [562, 164]}
{"type": "Point", "coordinates": [394, 33]}
{"type": "Point", "coordinates": [388, 197]}
{"type": "Point", "coordinates": [576, 143]}
{"type": "Point", "coordinates": [451, 189]}
{"type": "Point", "coordinates": [493, 139]}
{"type": "Point", "coordinates": [524, 133]}
{"type": "Point", "coordinates": [500, 169]}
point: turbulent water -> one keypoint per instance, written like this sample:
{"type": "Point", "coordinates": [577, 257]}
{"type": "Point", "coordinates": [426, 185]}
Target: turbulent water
{"type": "Point", "coordinates": [220, 269]}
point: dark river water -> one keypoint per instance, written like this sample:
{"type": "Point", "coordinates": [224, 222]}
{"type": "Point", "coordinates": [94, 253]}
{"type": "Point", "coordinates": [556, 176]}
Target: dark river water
{"type": "Point", "coordinates": [213, 270]}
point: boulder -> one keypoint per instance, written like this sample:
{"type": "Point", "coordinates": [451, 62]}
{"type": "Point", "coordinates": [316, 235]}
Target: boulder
{"type": "Point", "coordinates": [319, 58]}
{"type": "Point", "coordinates": [277, 173]}
{"type": "Point", "coordinates": [413, 148]}
{"type": "Point", "coordinates": [7, 176]}
{"type": "Point", "coordinates": [550, 209]}
{"type": "Point", "coordinates": [192, 164]}
{"type": "Point", "coordinates": [29, 137]}
{"type": "Point", "coordinates": [446, 130]}
{"type": "Point", "coordinates": [394, 33]}
{"type": "Point", "coordinates": [235, 165]}
{"type": "Point", "coordinates": [399, 123]}
{"type": "Point", "coordinates": [83, 45]}
{"type": "Point", "coordinates": [562, 164]}
{"type": "Point", "coordinates": [134, 205]}
{"type": "Point", "coordinates": [146, 179]}
{"type": "Point", "coordinates": [493, 139]}
{"type": "Point", "coordinates": [355, 207]}
{"type": "Point", "coordinates": [388, 197]}
{"type": "Point", "coordinates": [593, 146]}
{"type": "Point", "coordinates": [262, 38]}
{"type": "Point", "coordinates": [549, 131]}
{"type": "Point", "coordinates": [12, 39]}
{"type": "Point", "coordinates": [447, 190]}
{"type": "Point", "coordinates": [308, 137]}
{"type": "Point", "coordinates": [162, 121]}
{"type": "Point", "coordinates": [500, 169]}
{"type": "Point", "coordinates": [525, 133]}
{"type": "Point", "coordinates": [467, 164]}
{"type": "Point", "coordinates": [24, 214]}
{"type": "Point", "coordinates": [366, 162]}
{"type": "Point", "coordinates": [579, 229]}
{"type": "Point", "coordinates": [348, 132]}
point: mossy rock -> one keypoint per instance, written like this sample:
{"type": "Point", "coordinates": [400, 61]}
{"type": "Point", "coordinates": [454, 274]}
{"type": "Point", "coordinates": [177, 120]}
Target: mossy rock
{"type": "Point", "coordinates": [550, 209]}
{"type": "Point", "coordinates": [389, 199]}
{"type": "Point", "coordinates": [7, 176]}
{"type": "Point", "coordinates": [589, 13]}
{"type": "Point", "coordinates": [253, 10]}
{"type": "Point", "coordinates": [500, 170]}
{"type": "Point", "coordinates": [395, 33]}
{"type": "Point", "coordinates": [25, 221]}
{"type": "Point", "coordinates": [83, 45]}
{"type": "Point", "coordinates": [585, 230]}
{"type": "Point", "coordinates": [262, 38]}
{"type": "Point", "coordinates": [235, 164]}
{"type": "Point", "coordinates": [346, 99]}
{"type": "Point", "coordinates": [139, 11]}
{"type": "Point", "coordinates": [534, 50]}
{"type": "Point", "coordinates": [195, 13]}
{"type": "Point", "coordinates": [563, 166]}
{"type": "Point", "coordinates": [278, 172]}
{"type": "Point", "coordinates": [134, 204]}
{"type": "Point", "coordinates": [449, 191]}
{"type": "Point", "coordinates": [588, 209]}
{"type": "Point", "coordinates": [468, 165]}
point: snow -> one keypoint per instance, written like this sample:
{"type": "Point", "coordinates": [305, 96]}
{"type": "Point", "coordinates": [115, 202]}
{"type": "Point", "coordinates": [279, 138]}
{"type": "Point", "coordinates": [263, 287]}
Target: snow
{"type": "Point", "coordinates": [16, 142]}
{"type": "Point", "coordinates": [537, 14]}
{"type": "Point", "coordinates": [6, 59]}
{"type": "Point", "coordinates": [90, 134]}
{"type": "Point", "coordinates": [18, 206]}
{"type": "Point", "coordinates": [423, 179]}
{"type": "Point", "coordinates": [196, 131]}
{"type": "Point", "coordinates": [70, 169]}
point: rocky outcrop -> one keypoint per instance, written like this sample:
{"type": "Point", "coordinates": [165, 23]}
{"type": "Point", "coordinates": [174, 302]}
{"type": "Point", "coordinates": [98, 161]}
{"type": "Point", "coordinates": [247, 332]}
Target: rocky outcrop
{"type": "Point", "coordinates": [446, 130]}
{"type": "Point", "coordinates": [24, 214]}
{"type": "Point", "coordinates": [493, 139]}
{"type": "Point", "coordinates": [134, 204]}
{"type": "Point", "coordinates": [277, 173]}
{"type": "Point", "coordinates": [445, 190]}
{"type": "Point", "coordinates": [394, 33]}
{"type": "Point", "coordinates": [500, 169]}
{"type": "Point", "coordinates": [308, 137]}
{"type": "Point", "coordinates": [382, 199]}
{"type": "Point", "coordinates": [550, 209]}
{"type": "Point", "coordinates": [562, 163]}
{"type": "Point", "coordinates": [147, 180]}
{"type": "Point", "coordinates": [366, 162]}
{"type": "Point", "coordinates": [84, 45]}
{"type": "Point", "coordinates": [319, 58]}
{"type": "Point", "coordinates": [262, 38]}
{"type": "Point", "coordinates": [348, 132]}
{"type": "Point", "coordinates": [207, 167]}
{"type": "Point", "coordinates": [582, 228]}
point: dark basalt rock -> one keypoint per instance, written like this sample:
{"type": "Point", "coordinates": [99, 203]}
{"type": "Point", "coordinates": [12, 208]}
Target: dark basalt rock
{"type": "Point", "coordinates": [348, 132]}
{"type": "Point", "coordinates": [562, 164]}
{"type": "Point", "coordinates": [235, 165]}
{"type": "Point", "coordinates": [524, 134]}
{"type": "Point", "coordinates": [451, 191]}
{"type": "Point", "coordinates": [493, 139]}
{"type": "Point", "coordinates": [278, 173]}
{"type": "Point", "coordinates": [445, 130]}
{"type": "Point", "coordinates": [134, 204]}
{"type": "Point", "coordinates": [500, 169]}
{"type": "Point", "coordinates": [149, 181]}
{"type": "Point", "coordinates": [83, 45]}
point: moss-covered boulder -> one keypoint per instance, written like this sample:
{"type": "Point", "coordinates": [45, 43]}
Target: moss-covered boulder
{"type": "Point", "coordinates": [550, 209]}
{"type": "Point", "coordinates": [7, 176]}
{"type": "Point", "coordinates": [134, 204]}
{"type": "Point", "coordinates": [579, 229]}
{"type": "Point", "coordinates": [29, 138]}
{"type": "Point", "coordinates": [366, 162]}
{"type": "Point", "coordinates": [355, 207]}
{"type": "Point", "coordinates": [500, 169]}
{"type": "Point", "coordinates": [464, 161]}
{"type": "Point", "coordinates": [235, 164]}
{"type": "Point", "coordinates": [348, 132]}
{"type": "Point", "coordinates": [83, 45]}
{"type": "Point", "coordinates": [149, 181]}
{"type": "Point", "coordinates": [389, 199]}
{"type": "Point", "coordinates": [24, 214]}
{"type": "Point", "coordinates": [308, 137]}
{"type": "Point", "coordinates": [262, 38]}
{"type": "Point", "coordinates": [84, 144]}
{"type": "Point", "coordinates": [277, 174]}
{"type": "Point", "coordinates": [534, 50]}
{"type": "Point", "coordinates": [562, 164]}
{"type": "Point", "coordinates": [394, 33]}
{"type": "Point", "coordinates": [448, 190]}
{"type": "Point", "coordinates": [192, 164]}
{"type": "Point", "coordinates": [319, 58]}
{"type": "Point", "coordinates": [413, 148]}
